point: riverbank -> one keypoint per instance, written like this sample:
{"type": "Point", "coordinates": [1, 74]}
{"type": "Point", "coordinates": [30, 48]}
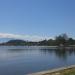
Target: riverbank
{"type": "Point", "coordinates": [69, 70]}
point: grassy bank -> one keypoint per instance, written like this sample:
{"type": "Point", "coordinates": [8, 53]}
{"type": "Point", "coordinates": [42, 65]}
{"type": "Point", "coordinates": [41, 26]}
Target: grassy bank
{"type": "Point", "coordinates": [70, 71]}
{"type": "Point", "coordinates": [67, 70]}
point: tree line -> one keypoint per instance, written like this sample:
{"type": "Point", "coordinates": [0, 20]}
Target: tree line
{"type": "Point", "coordinates": [59, 40]}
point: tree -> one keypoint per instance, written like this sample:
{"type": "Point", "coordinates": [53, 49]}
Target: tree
{"type": "Point", "coordinates": [51, 42]}
{"type": "Point", "coordinates": [71, 41]}
{"type": "Point", "coordinates": [61, 39]}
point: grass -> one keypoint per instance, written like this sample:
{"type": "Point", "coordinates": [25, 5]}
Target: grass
{"type": "Point", "coordinates": [70, 71]}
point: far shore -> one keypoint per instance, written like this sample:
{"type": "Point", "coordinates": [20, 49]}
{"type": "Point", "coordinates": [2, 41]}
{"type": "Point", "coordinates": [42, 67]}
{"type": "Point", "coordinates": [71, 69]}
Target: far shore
{"type": "Point", "coordinates": [47, 47]}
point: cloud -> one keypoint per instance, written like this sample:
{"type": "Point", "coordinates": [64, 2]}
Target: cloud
{"type": "Point", "coordinates": [23, 37]}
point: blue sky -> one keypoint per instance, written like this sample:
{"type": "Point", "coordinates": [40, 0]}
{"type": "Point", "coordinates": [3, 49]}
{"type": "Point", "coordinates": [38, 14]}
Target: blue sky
{"type": "Point", "coordinates": [37, 17]}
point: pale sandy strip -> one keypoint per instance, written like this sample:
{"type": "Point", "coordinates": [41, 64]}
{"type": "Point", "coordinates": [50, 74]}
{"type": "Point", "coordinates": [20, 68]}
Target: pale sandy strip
{"type": "Point", "coordinates": [51, 71]}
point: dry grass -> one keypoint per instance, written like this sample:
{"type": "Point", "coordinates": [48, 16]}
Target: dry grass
{"type": "Point", "coordinates": [70, 71]}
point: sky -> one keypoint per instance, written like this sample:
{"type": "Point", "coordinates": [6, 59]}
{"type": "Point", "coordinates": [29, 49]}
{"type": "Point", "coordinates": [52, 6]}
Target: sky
{"type": "Point", "coordinates": [37, 19]}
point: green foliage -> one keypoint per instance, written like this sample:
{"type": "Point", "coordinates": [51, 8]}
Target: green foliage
{"type": "Point", "coordinates": [60, 40]}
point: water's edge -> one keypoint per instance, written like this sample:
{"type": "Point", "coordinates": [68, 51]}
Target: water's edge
{"type": "Point", "coordinates": [53, 70]}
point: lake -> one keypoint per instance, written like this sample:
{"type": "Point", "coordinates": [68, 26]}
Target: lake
{"type": "Point", "coordinates": [22, 60]}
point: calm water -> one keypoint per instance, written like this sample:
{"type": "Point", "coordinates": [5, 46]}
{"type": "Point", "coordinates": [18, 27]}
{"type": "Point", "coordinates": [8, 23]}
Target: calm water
{"type": "Point", "coordinates": [21, 60]}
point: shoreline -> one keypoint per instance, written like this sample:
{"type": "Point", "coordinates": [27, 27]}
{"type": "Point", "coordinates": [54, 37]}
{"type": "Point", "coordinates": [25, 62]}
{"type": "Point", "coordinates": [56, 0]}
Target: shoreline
{"type": "Point", "coordinates": [53, 71]}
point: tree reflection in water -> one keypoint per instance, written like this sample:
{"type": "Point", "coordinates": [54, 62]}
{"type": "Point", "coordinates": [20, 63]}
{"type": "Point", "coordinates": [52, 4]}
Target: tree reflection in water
{"type": "Point", "coordinates": [60, 53]}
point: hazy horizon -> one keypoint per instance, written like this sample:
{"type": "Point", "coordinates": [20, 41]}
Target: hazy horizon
{"type": "Point", "coordinates": [5, 37]}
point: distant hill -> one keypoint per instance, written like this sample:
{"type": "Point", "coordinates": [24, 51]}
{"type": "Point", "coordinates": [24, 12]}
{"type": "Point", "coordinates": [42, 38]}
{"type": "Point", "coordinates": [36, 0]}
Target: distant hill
{"type": "Point", "coordinates": [17, 42]}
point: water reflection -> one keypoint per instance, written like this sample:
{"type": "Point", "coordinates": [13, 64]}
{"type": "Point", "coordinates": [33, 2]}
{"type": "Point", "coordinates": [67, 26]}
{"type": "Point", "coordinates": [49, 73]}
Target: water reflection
{"type": "Point", "coordinates": [24, 59]}
{"type": "Point", "coordinates": [10, 52]}
{"type": "Point", "coordinates": [60, 53]}
{"type": "Point", "coordinates": [27, 50]}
